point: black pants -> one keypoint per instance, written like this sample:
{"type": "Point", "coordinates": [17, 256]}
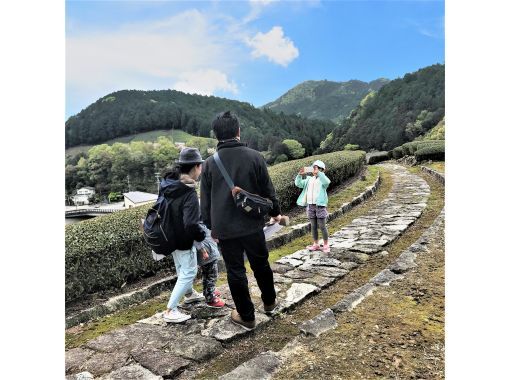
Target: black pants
{"type": "Point", "coordinates": [256, 250]}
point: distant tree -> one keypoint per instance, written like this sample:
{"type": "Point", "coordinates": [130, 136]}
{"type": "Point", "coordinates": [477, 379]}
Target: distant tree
{"type": "Point", "coordinates": [351, 147]}
{"type": "Point", "coordinates": [294, 148]}
{"type": "Point", "coordinates": [281, 158]}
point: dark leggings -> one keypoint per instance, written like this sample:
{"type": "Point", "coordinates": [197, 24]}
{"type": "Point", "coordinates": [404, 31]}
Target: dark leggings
{"type": "Point", "coordinates": [209, 277]}
{"type": "Point", "coordinates": [322, 225]}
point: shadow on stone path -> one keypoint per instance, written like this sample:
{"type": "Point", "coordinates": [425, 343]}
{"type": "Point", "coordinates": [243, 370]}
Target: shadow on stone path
{"type": "Point", "coordinates": [151, 349]}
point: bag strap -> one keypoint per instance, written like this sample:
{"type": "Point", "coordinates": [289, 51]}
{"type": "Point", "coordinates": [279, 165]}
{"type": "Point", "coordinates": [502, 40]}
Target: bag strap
{"type": "Point", "coordinates": [223, 170]}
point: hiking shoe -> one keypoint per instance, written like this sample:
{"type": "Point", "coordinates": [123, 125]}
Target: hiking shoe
{"type": "Point", "coordinates": [175, 316]}
{"type": "Point", "coordinates": [326, 248]}
{"type": "Point", "coordinates": [237, 320]}
{"type": "Point", "coordinates": [216, 303]}
{"type": "Point", "coordinates": [313, 247]}
{"type": "Point", "coordinates": [270, 309]}
{"type": "Point", "coordinates": [194, 297]}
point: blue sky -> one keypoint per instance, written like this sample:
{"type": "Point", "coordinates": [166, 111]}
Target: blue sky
{"type": "Point", "coordinates": [252, 51]}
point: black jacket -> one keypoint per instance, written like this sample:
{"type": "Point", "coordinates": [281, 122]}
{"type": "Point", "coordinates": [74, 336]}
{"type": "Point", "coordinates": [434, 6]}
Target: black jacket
{"type": "Point", "coordinates": [185, 212]}
{"type": "Point", "coordinates": [248, 170]}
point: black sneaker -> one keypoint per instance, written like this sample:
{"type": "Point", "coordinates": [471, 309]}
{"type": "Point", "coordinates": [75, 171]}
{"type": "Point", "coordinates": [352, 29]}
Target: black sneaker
{"type": "Point", "coordinates": [237, 320]}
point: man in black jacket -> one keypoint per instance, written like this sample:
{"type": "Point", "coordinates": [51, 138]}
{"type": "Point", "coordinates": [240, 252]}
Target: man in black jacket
{"type": "Point", "coordinates": [236, 231]}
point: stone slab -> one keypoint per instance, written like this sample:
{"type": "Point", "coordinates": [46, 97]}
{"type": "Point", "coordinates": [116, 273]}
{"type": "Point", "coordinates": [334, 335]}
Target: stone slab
{"type": "Point", "coordinates": [260, 367]}
{"type": "Point", "coordinates": [384, 277]}
{"type": "Point", "coordinates": [281, 268]}
{"type": "Point", "coordinates": [321, 323]}
{"type": "Point", "coordinates": [289, 261]}
{"type": "Point", "coordinates": [104, 362]}
{"type": "Point", "coordinates": [279, 279]}
{"type": "Point", "coordinates": [297, 274]}
{"type": "Point", "coordinates": [350, 301]}
{"type": "Point", "coordinates": [118, 340]}
{"type": "Point", "coordinates": [320, 281]}
{"type": "Point", "coordinates": [348, 265]}
{"type": "Point", "coordinates": [160, 362]}
{"type": "Point", "coordinates": [368, 249]}
{"type": "Point", "coordinates": [196, 347]}
{"type": "Point", "coordinates": [224, 330]}
{"type": "Point", "coordinates": [75, 357]}
{"type": "Point", "coordinates": [324, 271]}
{"type": "Point", "coordinates": [357, 257]}
{"type": "Point", "coordinates": [297, 292]}
{"type": "Point", "coordinates": [81, 376]}
{"type": "Point", "coordinates": [404, 262]}
{"type": "Point", "coordinates": [132, 372]}
{"type": "Point", "coordinates": [322, 261]}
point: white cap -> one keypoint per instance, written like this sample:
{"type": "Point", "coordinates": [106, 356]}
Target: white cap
{"type": "Point", "coordinates": [320, 164]}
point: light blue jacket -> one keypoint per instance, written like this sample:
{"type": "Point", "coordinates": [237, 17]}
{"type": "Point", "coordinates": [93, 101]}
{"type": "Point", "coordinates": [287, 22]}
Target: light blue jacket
{"type": "Point", "coordinates": [322, 199]}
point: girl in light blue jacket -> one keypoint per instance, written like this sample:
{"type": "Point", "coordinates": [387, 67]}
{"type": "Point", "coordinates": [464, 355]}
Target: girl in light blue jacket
{"type": "Point", "coordinates": [315, 198]}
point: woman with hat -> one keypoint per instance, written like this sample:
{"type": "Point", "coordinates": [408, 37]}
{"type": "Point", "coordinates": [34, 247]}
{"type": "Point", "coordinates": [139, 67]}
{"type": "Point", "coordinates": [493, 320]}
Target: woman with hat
{"type": "Point", "coordinates": [179, 185]}
{"type": "Point", "coordinates": [315, 198]}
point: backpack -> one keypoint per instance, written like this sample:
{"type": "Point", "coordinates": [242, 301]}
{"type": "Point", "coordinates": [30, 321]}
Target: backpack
{"type": "Point", "coordinates": [158, 230]}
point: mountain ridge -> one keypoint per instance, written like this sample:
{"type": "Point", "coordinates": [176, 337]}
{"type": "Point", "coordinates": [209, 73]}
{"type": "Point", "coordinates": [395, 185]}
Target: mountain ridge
{"type": "Point", "coordinates": [324, 99]}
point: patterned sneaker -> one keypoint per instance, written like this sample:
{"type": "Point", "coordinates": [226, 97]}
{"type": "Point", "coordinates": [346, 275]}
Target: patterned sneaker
{"type": "Point", "coordinates": [313, 247]}
{"type": "Point", "coordinates": [326, 249]}
{"type": "Point", "coordinates": [216, 303]}
{"type": "Point", "coordinates": [175, 316]}
{"type": "Point", "coordinates": [194, 297]}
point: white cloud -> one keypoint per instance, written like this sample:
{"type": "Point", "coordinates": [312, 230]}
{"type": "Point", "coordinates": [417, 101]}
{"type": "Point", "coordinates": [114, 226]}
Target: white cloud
{"type": "Point", "coordinates": [273, 45]}
{"type": "Point", "coordinates": [256, 7]}
{"type": "Point", "coordinates": [205, 82]}
{"type": "Point", "coordinates": [152, 55]}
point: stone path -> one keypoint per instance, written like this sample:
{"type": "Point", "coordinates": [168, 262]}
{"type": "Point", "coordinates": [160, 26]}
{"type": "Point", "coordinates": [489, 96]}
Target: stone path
{"type": "Point", "coordinates": [151, 349]}
{"type": "Point", "coordinates": [267, 364]}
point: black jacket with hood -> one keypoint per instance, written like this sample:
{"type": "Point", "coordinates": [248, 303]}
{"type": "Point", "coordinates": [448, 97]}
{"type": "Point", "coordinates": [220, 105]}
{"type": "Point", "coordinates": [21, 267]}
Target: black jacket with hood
{"type": "Point", "coordinates": [248, 170]}
{"type": "Point", "coordinates": [185, 210]}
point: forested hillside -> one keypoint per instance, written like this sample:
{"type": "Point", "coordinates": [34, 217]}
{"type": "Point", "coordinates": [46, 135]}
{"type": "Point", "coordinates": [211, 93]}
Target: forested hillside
{"type": "Point", "coordinates": [129, 112]}
{"type": "Point", "coordinates": [399, 112]}
{"type": "Point", "coordinates": [326, 100]}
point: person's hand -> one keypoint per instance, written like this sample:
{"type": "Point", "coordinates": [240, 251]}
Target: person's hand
{"type": "Point", "coordinates": [315, 170]}
{"type": "Point", "coordinates": [205, 254]}
{"type": "Point", "coordinates": [275, 219]}
{"type": "Point", "coordinates": [214, 238]}
{"type": "Point", "coordinates": [302, 171]}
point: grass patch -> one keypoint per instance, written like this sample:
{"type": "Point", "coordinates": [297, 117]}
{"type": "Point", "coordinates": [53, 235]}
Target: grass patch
{"type": "Point", "coordinates": [437, 166]}
{"type": "Point", "coordinates": [78, 335]}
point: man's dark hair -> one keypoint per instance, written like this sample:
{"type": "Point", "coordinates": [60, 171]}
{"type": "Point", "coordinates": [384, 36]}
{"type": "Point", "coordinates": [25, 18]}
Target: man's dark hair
{"type": "Point", "coordinates": [225, 126]}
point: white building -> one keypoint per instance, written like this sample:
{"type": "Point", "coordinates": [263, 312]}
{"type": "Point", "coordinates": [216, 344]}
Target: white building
{"type": "Point", "coordinates": [83, 196]}
{"type": "Point", "coordinates": [138, 198]}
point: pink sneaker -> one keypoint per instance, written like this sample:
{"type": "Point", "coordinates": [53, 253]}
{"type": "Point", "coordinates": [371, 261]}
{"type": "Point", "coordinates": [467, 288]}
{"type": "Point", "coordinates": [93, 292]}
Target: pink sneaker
{"type": "Point", "coordinates": [216, 303]}
{"type": "Point", "coordinates": [217, 293]}
{"type": "Point", "coordinates": [314, 247]}
{"type": "Point", "coordinates": [326, 249]}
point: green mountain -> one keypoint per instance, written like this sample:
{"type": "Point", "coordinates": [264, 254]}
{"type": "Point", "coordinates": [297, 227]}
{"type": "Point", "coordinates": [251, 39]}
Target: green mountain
{"type": "Point", "coordinates": [400, 111]}
{"type": "Point", "coordinates": [324, 99]}
{"type": "Point", "coordinates": [130, 112]}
